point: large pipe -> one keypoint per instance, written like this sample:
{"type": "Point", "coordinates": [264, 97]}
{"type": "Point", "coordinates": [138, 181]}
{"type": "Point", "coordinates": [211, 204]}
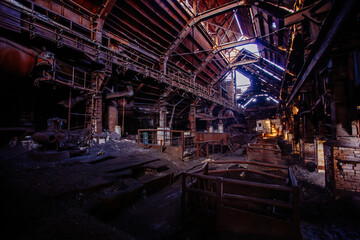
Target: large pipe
{"type": "Point", "coordinates": [44, 137]}
{"type": "Point", "coordinates": [16, 60]}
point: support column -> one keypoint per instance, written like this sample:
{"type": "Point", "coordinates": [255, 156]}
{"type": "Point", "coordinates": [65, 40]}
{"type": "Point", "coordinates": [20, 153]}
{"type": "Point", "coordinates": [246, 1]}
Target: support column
{"type": "Point", "coordinates": [163, 136]}
{"type": "Point", "coordinates": [192, 118]}
{"type": "Point", "coordinates": [98, 115]}
{"type": "Point", "coordinates": [123, 117]}
{"type": "Point", "coordinates": [162, 115]}
{"type": "Point", "coordinates": [113, 115]}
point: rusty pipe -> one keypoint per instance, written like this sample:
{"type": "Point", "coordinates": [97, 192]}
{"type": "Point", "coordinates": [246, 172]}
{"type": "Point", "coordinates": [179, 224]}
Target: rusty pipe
{"type": "Point", "coordinates": [44, 137]}
{"type": "Point", "coordinates": [16, 60]}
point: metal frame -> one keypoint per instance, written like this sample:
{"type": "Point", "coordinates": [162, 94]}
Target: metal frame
{"type": "Point", "coordinates": [213, 194]}
{"type": "Point", "coordinates": [323, 41]}
{"type": "Point", "coordinates": [195, 20]}
{"type": "Point", "coordinates": [168, 139]}
{"type": "Point", "coordinates": [69, 37]}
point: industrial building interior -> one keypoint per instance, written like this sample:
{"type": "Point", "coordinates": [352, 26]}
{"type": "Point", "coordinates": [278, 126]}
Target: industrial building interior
{"type": "Point", "coordinates": [180, 119]}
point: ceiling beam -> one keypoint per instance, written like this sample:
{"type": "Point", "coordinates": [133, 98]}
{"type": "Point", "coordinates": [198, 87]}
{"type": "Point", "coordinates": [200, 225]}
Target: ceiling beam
{"type": "Point", "coordinates": [234, 44]}
{"type": "Point", "coordinates": [253, 75]}
{"type": "Point", "coordinates": [195, 20]}
{"type": "Point", "coordinates": [103, 13]}
{"type": "Point", "coordinates": [272, 9]}
{"type": "Point", "coordinates": [298, 16]}
{"type": "Point", "coordinates": [218, 11]}
{"type": "Point", "coordinates": [219, 48]}
{"type": "Point", "coordinates": [245, 62]}
{"type": "Point", "coordinates": [279, 51]}
{"type": "Point", "coordinates": [132, 46]}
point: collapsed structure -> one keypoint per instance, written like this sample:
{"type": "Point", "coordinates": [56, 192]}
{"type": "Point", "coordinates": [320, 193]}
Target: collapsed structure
{"type": "Point", "coordinates": [170, 74]}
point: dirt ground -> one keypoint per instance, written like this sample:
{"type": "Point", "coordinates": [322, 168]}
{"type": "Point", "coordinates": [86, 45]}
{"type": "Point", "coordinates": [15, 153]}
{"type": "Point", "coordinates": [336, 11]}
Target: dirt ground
{"type": "Point", "coordinates": [97, 197]}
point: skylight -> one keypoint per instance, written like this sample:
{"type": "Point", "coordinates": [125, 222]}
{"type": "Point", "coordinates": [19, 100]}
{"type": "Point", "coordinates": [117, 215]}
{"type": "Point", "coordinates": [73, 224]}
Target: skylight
{"type": "Point", "coordinates": [273, 25]}
{"type": "Point", "coordinates": [242, 82]}
{"type": "Point", "coordinates": [238, 23]}
{"type": "Point", "coordinates": [275, 65]}
{"type": "Point", "coordinates": [267, 72]}
{"type": "Point", "coordinates": [254, 99]}
{"type": "Point", "coordinates": [253, 48]}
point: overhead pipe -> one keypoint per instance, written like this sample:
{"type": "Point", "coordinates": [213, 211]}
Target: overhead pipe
{"type": "Point", "coordinates": [16, 60]}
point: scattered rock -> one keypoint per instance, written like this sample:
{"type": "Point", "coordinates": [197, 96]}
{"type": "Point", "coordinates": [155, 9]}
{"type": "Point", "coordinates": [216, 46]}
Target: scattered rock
{"type": "Point", "coordinates": [114, 136]}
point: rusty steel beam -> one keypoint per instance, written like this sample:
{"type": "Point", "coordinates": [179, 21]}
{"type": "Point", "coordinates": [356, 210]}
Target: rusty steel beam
{"type": "Point", "coordinates": [182, 110]}
{"type": "Point", "coordinates": [149, 45]}
{"type": "Point", "coordinates": [203, 66]}
{"type": "Point", "coordinates": [272, 9]}
{"type": "Point", "coordinates": [200, 17]}
{"type": "Point", "coordinates": [139, 45]}
{"type": "Point", "coordinates": [103, 13]}
{"type": "Point", "coordinates": [106, 8]}
{"type": "Point", "coordinates": [219, 76]}
{"type": "Point", "coordinates": [132, 46]}
{"type": "Point", "coordinates": [83, 8]}
{"type": "Point", "coordinates": [271, 47]}
{"type": "Point", "coordinates": [172, 26]}
{"type": "Point", "coordinates": [236, 34]}
{"type": "Point", "coordinates": [136, 31]}
{"type": "Point", "coordinates": [252, 75]}
{"type": "Point", "coordinates": [148, 17]}
{"type": "Point", "coordinates": [271, 68]}
{"type": "Point", "coordinates": [219, 48]}
{"type": "Point", "coordinates": [266, 78]}
{"type": "Point", "coordinates": [144, 28]}
{"type": "Point", "coordinates": [44, 30]}
{"type": "Point", "coordinates": [234, 44]}
{"type": "Point", "coordinates": [168, 10]}
{"type": "Point", "coordinates": [206, 43]}
{"type": "Point", "coordinates": [245, 62]}
{"type": "Point", "coordinates": [328, 31]}
{"type": "Point", "coordinates": [198, 61]}
{"type": "Point", "coordinates": [120, 94]}
{"type": "Point", "coordinates": [175, 5]}
{"type": "Point", "coordinates": [219, 10]}
{"type": "Point", "coordinates": [299, 15]}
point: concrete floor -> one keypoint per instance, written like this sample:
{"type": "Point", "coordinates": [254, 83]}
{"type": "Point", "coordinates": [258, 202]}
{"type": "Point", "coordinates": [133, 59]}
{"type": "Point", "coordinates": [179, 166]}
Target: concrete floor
{"type": "Point", "coordinates": [111, 196]}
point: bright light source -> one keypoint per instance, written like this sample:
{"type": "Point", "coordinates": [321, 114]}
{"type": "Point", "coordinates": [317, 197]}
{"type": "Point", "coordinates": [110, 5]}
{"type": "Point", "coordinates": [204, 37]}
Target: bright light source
{"type": "Point", "coordinates": [254, 100]}
{"type": "Point", "coordinates": [242, 82]}
{"type": "Point", "coordinates": [274, 99]}
{"type": "Point", "coordinates": [253, 48]}
{"type": "Point", "coordinates": [273, 25]}
{"type": "Point", "coordinates": [248, 102]}
{"type": "Point", "coordinates": [267, 99]}
{"type": "Point", "coordinates": [295, 110]}
{"type": "Point", "coordinates": [275, 65]}
{"type": "Point", "coordinates": [238, 23]}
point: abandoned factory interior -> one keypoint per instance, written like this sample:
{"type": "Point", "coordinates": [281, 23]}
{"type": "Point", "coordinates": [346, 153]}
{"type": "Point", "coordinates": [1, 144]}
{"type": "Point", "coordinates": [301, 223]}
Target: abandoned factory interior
{"type": "Point", "coordinates": [180, 119]}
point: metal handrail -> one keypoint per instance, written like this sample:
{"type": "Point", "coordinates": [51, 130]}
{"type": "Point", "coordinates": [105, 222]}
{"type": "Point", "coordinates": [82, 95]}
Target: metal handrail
{"type": "Point", "coordinates": [110, 56]}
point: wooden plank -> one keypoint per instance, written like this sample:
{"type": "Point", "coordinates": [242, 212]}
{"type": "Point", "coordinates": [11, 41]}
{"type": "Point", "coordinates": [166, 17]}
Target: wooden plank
{"type": "Point", "coordinates": [248, 170]}
{"type": "Point", "coordinates": [258, 200]}
{"type": "Point", "coordinates": [241, 182]}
